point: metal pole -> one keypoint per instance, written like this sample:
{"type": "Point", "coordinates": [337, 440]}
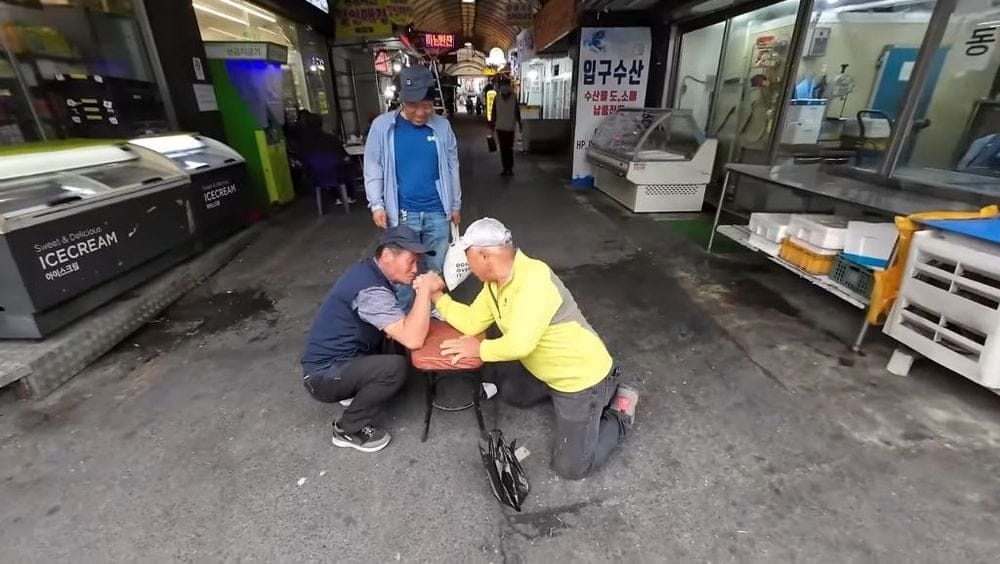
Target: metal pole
{"type": "Point", "coordinates": [856, 347]}
{"type": "Point", "coordinates": [354, 96]}
{"type": "Point", "coordinates": [673, 68]}
{"type": "Point", "coordinates": [718, 211]}
{"type": "Point", "coordinates": [799, 32]}
{"type": "Point", "coordinates": [921, 70]}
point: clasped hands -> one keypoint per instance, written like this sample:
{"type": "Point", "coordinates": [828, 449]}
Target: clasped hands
{"type": "Point", "coordinates": [457, 349]}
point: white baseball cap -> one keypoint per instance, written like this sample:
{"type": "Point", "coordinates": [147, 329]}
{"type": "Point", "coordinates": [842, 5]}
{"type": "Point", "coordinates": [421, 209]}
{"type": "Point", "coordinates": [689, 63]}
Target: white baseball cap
{"type": "Point", "coordinates": [485, 232]}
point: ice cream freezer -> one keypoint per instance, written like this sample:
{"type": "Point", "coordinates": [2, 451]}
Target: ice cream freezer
{"type": "Point", "coordinates": [221, 196]}
{"type": "Point", "coordinates": [79, 225]}
{"type": "Point", "coordinates": [652, 159]}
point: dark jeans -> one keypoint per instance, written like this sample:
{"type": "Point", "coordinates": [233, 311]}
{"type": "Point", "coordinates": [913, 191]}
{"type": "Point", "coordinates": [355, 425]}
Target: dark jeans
{"type": "Point", "coordinates": [506, 141]}
{"type": "Point", "coordinates": [586, 432]}
{"type": "Point", "coordinates": [370, 380]}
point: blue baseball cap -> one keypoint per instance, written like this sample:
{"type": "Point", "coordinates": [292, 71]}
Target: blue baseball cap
{"type": "Point", "coordinates": [416, 84]}
{"type": "Point", "coordinates": [405, 238]}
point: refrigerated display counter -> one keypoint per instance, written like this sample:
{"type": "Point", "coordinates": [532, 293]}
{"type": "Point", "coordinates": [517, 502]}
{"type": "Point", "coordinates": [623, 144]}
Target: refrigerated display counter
{"type": "Point", "coordinates": [652, 159]}
{"type": "Point", "coordinates": [221, 197]}
{"type": "Point", "coordinates": [79, 225]}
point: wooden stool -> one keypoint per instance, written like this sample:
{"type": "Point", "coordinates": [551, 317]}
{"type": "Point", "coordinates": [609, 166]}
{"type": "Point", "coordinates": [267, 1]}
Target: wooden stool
{"type": "Point", "coordinates": [429, 362]}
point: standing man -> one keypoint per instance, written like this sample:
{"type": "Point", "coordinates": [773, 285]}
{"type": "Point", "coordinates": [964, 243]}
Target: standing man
{"type": "Point", "coordinates": [505, 119]}
{"type": "Point", "coordinates": [558, 354]}
{"type": "Point", "coordinates": [411, 170]}
{"type": "Point", "coordinates": [343, 360]}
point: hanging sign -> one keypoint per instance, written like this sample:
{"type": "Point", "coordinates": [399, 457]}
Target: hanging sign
{"type": "Point", "coordinates": [362, 18]}
{"type": "Point", "coordinates": [614, 66]}
{"type": "Point", "coordinates": [439, 41]}
{"type": "Point", "coordinates": [520, 13]}
{"type": "Point", "coordinates": [400, 12]}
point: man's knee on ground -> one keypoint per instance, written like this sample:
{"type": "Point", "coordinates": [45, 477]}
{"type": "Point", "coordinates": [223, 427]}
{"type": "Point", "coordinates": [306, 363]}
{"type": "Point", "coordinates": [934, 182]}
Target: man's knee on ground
{"type": "Point", "coordinates": [570, 469]}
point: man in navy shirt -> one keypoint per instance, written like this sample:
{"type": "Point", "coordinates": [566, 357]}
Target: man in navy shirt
{"type": "Point", "coordinates": [411, 170]}
{"type": "Point", "coordinates": [343, 360]}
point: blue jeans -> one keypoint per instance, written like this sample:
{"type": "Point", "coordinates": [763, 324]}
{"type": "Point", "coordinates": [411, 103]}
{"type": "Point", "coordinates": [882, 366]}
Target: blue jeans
{"type": "Point", "coordinates": [435, 231]}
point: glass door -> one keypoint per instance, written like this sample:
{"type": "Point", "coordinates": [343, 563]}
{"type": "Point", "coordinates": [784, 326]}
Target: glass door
{"type": "Point", "coordinates": [698, 68]}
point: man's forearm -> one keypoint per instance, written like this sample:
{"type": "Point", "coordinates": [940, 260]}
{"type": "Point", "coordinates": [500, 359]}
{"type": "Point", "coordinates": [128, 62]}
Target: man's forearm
{"type": "Point", "coordinates": [418, 321]}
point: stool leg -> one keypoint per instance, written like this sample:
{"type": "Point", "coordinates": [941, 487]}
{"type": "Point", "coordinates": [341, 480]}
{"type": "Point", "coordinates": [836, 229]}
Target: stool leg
{"type": "Point", "coordinates": [431, 385]}
{"type": "Point", "coordinates": [319, 200]}
{"type": "Point", "coordinates": [343, 198]}
{"type": "Point", "coordinates": [477, 391]}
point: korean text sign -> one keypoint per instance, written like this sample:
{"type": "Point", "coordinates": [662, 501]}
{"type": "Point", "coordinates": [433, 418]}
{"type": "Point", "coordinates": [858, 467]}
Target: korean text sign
{"type": "Point", "coordinates": [613, 71]}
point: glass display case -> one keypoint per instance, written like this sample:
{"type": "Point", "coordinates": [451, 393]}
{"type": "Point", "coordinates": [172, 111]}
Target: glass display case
{"type": "Point", "coordinates": [652, 159]}
{"type": "Point", "coordinates": [649, 135]}
{"type": "Point", "coordinates": [80, 225]}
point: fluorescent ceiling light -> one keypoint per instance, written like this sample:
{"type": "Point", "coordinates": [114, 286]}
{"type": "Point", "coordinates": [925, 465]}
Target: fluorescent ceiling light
{"type": "Point", "coordinates": [250, 10]}
{"type": "Point", "coordinates": [221, 32]}
{"type": "Point", "coordinates": [468, 1]}
{"type": "Point", "coordinates": [215, 12]}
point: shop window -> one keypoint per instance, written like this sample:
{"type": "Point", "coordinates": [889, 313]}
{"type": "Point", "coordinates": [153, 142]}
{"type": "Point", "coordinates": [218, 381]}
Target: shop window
{"type": "Point", "coordinates": [753, 63]}
{"type": "Point", "coordinates": [96, 43]}
{"type": "Point", "coordinates": [955, 138]}
{"type": "Point", "coordinates": [307, 74]}
{"type": "Point", "coordinates": [852, 78]}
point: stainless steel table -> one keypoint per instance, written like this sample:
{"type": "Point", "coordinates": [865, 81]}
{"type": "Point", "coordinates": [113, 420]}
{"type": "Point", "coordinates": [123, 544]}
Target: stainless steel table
{"type": "Point", "coordinates": [812, 179]}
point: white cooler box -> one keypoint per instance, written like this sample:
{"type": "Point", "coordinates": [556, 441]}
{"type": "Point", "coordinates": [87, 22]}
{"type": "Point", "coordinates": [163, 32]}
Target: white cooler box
{"type": "Point", "coordinates": [948, 308]}
{"type": "Point", "coordinates": [870, 244]}
{"type": "Point", "coordinates": [768, 230]}
{"type": "Point", "coordinates": [824, 231]}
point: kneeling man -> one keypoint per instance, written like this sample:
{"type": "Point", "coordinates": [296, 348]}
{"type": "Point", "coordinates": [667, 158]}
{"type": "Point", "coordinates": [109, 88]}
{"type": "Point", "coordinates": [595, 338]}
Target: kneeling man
{"type": "Point", "coordinates": [560, 355]}
{"type": "Point", "coordinates": [344, 358]}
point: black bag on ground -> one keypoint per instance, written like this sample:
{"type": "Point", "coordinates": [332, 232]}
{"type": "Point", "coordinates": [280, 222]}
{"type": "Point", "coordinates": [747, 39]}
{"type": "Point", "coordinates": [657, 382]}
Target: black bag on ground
{"type": "Point", "coordinates": [507, 478]}
{"type": "Point", "coordinates": [491, 143]}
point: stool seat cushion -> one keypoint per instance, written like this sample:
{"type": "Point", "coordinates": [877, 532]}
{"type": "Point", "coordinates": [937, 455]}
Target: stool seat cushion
{"type": "Point", "coordinates": [428, 358]}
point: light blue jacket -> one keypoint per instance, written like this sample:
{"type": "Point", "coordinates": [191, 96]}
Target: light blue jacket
{"type": "Point", "coordinates": [380, 165]}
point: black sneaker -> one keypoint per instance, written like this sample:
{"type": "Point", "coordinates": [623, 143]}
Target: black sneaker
{"type": "Point", "coordinates": [368, 439]}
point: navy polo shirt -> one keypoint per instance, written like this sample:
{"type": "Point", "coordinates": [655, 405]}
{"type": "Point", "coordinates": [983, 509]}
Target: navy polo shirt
{"type": "Point", "coordinates": [416, 167]}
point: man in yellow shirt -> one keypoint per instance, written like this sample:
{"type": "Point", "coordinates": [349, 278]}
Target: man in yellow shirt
{"type": "Point", "coordinates": [560, 354]}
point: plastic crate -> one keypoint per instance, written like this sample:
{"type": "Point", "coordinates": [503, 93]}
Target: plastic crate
{"type": "Point", "coordinates": [825, 231]}
{"type": "Point", "coordinates": [948, 308]}
{"type": "Point", "coordinates": [804, 259]}
{"type": "Point", "coordinates": [771, 227]}
{"type": "Point", "coordinates": [857, 278]}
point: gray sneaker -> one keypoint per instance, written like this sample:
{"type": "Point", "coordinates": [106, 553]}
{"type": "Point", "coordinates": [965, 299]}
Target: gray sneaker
{"type": "Point", "coordinates": [368, 439]}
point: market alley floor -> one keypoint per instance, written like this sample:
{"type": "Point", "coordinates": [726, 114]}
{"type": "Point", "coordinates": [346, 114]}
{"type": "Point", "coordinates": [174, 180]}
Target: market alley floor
{"type": "Point", "coordinates": [759, 436]}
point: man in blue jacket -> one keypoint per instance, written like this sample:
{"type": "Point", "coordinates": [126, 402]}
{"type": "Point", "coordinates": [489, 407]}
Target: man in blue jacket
{"type": "Point", "coordinates": [411, 170]}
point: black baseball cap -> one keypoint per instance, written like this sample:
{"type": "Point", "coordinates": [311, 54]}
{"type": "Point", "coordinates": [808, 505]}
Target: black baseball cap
{"type": "Point", "coordinates": [416, 84]}
{"type": "Point", "coordinates": [404, 238]}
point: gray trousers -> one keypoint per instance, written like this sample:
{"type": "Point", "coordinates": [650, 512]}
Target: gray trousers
{"type": "Point", "coordinates": [586, 432]}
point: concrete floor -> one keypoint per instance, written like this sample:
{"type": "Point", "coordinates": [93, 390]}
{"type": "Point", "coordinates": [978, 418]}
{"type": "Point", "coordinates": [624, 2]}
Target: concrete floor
{"type": "Point", "coordinates": [759, 436]}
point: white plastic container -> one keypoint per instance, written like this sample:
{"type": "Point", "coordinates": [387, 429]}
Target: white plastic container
{"type": "Point", "coordinates": [870, 244]}
{"type": "Point", "coordinates": [765, 246]}
{"type": "Point", "coordinates": [771, 227]}
{"type": "Point", "coordinates": [948, 309]}
{"type": "Point", "coordinates": [823, 231]}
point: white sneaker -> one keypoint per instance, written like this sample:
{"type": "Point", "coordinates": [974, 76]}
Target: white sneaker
{"type": "Point", "coordinates": [437, 314]}
{"type": "Point", "coordinates": [490, 390]}
{"type": "Point", "coordinates": [347, 402]}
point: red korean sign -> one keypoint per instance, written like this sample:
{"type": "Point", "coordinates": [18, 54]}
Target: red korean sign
{"type": "Point", "coordinates": [439, 40]}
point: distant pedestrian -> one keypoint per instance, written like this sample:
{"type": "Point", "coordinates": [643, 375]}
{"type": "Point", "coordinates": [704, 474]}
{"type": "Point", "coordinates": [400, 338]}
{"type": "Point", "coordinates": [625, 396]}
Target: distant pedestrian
{"type": "Point", "coordinates": [411, 170]}
{"type": "Point", "coordinates": [505, 120]}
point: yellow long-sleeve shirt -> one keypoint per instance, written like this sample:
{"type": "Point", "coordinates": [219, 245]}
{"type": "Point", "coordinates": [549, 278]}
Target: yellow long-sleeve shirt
{"type": "Point", "coordinates": [541, 324]}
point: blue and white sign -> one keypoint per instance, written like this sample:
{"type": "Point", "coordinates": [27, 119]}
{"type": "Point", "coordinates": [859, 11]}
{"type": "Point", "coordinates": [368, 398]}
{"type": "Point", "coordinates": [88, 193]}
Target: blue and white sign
{"type": "Point", "coordinates": [614, 66]}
